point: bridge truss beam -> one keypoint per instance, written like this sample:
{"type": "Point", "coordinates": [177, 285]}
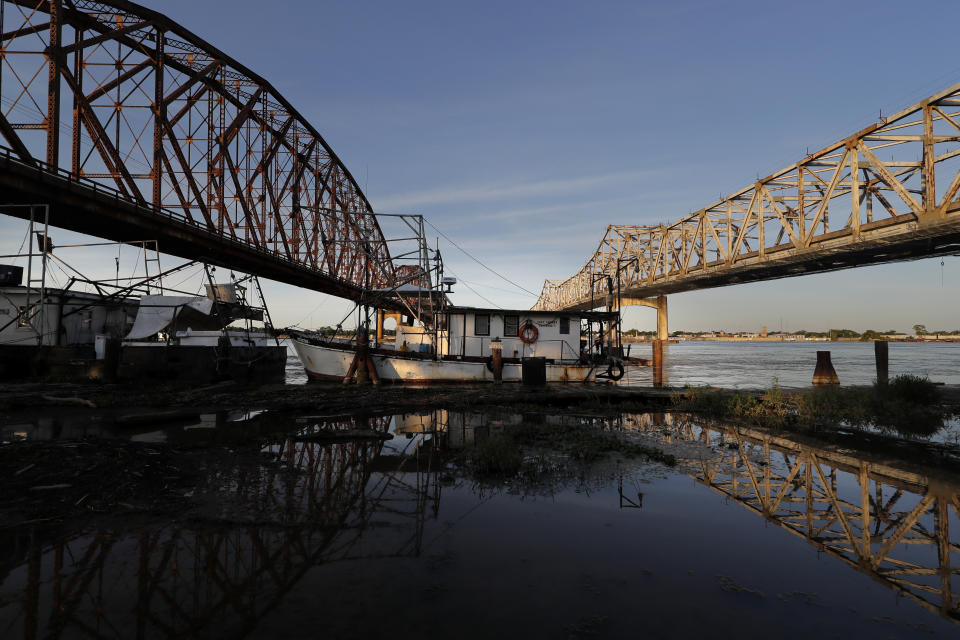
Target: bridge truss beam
{"type": "Point", "coordinates": [885, 193]}
{"type": "Point", "coordinates": [168, 135]}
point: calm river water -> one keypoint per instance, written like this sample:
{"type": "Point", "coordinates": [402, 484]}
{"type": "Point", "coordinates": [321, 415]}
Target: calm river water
{"type": "Point", "coordinates": [756, 364]}
{"type": "Point", "coordinates": [751, 535]}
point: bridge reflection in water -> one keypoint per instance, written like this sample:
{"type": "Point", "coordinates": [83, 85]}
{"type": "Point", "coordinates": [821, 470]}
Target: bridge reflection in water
{"type": "Point", "coordinates": [269, 524]}
{"type": "Point", "coordinates": [884, 518]}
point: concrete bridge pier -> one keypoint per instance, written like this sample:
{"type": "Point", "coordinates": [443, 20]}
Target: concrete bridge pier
{"type": "Point", "coordinates": [382, 316]}
{"type": "Point", "coordinates": [660, 304]}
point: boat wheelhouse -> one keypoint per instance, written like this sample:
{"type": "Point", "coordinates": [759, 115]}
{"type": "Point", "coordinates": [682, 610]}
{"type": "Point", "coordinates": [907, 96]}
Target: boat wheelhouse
{"type": "Point", "coordinates": [468, 332]}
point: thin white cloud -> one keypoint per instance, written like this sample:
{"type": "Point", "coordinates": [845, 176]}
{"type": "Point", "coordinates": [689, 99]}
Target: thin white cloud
{"type": "Point", "coordinates": [467, 194]}
{"type": "Point", "coordinates": [581, 207]}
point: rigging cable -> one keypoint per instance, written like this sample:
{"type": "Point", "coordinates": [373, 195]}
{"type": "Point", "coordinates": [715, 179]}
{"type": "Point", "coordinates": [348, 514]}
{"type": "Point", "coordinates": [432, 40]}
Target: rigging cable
{"type": "Point", "coordinates": [474, 290]}
{"type": "Point", "coordinates": [469, 255]}
{"type": "Point", "coordinates": [486, 286]}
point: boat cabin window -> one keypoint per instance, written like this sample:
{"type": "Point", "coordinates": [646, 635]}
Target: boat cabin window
{"type": "Point", "coordinates": [564, 325]}
{"type": "Point", "coordinates": [481, 324]}
{"type": "Point", "coordinates": [511, 325]}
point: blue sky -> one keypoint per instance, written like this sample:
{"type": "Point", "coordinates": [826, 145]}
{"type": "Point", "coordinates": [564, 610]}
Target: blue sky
{"type": "Point", "coordinates": [521, 129]}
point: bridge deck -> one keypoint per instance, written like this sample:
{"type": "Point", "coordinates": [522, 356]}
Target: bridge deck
{"type": "Point", "coordinates": [88, 207]}
{"type": "Point", "coordinates": [889, 240]}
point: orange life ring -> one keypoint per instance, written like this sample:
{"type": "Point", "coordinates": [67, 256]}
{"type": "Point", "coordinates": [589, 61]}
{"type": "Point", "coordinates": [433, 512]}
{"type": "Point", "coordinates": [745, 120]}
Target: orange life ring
{"type": "Point", "coordinates": [528, 333]}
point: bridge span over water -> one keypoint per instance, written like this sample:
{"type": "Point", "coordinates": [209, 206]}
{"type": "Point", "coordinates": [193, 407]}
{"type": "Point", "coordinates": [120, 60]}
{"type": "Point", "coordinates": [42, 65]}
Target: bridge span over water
{"type": "Point", "coordinates": [885, 193]}
{"type": "Point", "coordinates": [130, 127]}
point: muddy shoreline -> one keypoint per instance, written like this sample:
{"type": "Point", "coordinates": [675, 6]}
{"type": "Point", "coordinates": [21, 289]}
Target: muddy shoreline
{"type": "Point", "coordinates": [330, 397]}
{"type": "Point", "coordinates": [335, 396]}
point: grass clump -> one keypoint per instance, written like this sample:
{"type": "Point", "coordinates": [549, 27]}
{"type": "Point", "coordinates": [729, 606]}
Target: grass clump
{"type": "Point", "coordinates": [498, 455]}
{"type": "Point", "coordinates": [908, 404]}
{"type": "Point", "coordinates": [771, 406]}
{"type": "Point", "coordinates": [514, 451]}
{"type": "Point", "coordinates": [909, 389]}
{"type": "Point", "coordinates": [583, 443]}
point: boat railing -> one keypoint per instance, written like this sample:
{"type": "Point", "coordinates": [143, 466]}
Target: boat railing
{"type": "Point", "coordinates": [565, 349]}
{"type": "Point", "coordinates": [319, 339]}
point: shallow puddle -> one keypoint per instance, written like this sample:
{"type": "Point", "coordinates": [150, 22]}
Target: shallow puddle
{"type": "Point", "coordinates": [325, 528]}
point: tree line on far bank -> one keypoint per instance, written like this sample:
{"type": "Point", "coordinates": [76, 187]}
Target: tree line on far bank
{"type": "Point", "coordinates": [830, 334]}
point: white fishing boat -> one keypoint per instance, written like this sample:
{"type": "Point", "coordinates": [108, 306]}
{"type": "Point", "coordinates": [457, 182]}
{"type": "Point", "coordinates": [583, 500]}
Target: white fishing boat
{"type": "Point", "coordinates": [569, 346]}
{"type": "Point", "coordinates": [436, 341]}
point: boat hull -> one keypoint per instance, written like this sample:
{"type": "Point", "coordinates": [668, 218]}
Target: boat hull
{"type": "Point", "coordinates": [332, 363]}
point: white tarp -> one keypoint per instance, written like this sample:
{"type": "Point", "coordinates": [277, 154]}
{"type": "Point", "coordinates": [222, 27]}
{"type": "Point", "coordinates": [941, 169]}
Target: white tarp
{"type": "Point", "coordinates": [406, 288]}
{"type": "Point", "coordinates": [157, 312]}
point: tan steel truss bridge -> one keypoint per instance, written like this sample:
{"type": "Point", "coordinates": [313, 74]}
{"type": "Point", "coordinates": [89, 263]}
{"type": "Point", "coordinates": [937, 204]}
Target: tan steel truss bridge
{"type": "Point", "coordinates": [885, 193]}
{"type": "Point", "coordinates": [129, 126]}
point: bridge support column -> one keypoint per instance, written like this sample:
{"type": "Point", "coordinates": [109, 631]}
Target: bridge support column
{"type": "Point", "coordinates": [662, 331]}
{"type": "Point", "coordinates": [382, 317]}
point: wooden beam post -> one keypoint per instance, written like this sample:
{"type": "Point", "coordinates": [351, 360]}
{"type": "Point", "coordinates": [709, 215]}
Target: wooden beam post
{"type": "Point", "coordinates": [880, 351]}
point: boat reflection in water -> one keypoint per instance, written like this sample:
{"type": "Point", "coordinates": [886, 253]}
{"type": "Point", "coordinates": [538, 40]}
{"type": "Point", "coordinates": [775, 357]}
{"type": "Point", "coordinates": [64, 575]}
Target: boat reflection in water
{"type": "Point", "coordinates": [365, 498]}
{"type": "Point", "coordinates": [888, 519]}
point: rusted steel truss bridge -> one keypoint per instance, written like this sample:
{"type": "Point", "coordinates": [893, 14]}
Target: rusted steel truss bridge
{"type": "Point", "coordinates": [885, 193]}
{"type": "Point", "coordinates": [128, 126]}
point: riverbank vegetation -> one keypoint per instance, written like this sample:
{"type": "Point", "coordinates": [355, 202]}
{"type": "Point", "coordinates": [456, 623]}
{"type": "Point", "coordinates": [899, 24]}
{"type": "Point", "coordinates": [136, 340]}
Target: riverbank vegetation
{"type": "Point", "coordinates": [908, 404]}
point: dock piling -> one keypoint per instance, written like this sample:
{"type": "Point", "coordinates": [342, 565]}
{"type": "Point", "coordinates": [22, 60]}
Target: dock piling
{"type": "Point", "coordinates": [362, 367]}
{"type": "Point", "coordinates": [658, 362]}
{"type": "Point", "coordinates": [881, 352]}
{"type": "Point", "coordinates": [496, 359]}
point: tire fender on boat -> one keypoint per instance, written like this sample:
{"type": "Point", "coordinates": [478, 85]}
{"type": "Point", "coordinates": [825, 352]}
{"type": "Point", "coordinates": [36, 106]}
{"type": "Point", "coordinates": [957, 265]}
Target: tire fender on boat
{"type": "Point", "coordinates": [615, 370]}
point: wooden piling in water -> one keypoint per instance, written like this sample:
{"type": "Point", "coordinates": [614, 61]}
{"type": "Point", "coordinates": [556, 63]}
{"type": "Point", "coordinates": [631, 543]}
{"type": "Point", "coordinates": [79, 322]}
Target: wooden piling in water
{"type": "Point", "coordinates": [496, 358]}
{"type": "Point", "coordinates": [362, 366]}
{"type": "Point", "coordinates": [881, 352]}
{"type": "Point", "coordinates": [824, 373]}
{"type": "Point", "coordinates": [658, 362]}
